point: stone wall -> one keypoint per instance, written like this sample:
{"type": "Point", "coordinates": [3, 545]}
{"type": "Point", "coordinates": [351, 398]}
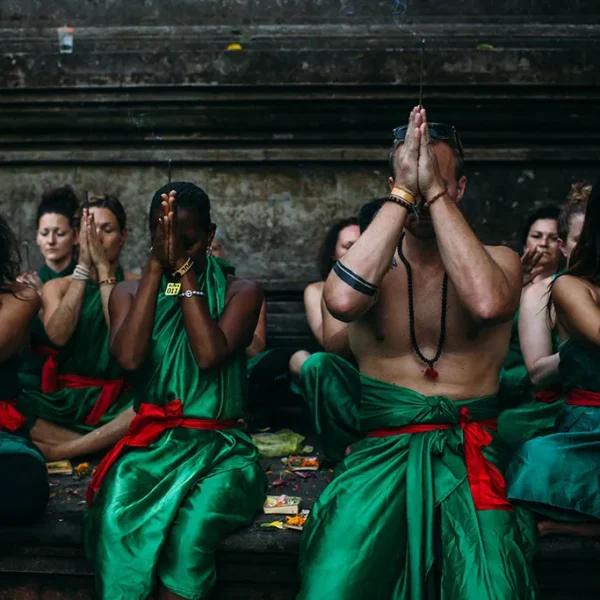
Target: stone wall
{"type": "Point", "coordinates": [291, 131]}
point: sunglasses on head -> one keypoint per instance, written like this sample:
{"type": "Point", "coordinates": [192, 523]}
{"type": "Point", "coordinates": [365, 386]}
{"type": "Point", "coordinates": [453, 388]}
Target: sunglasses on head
{"type": "Point", "coordinates": [437, 131]}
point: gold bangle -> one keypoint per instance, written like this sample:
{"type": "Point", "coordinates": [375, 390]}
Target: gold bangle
{"type": "Point", "coordinates": [187, 265]}
{"type": "Point", "coordinates": [110, 280]}
{"type": "Point", "coordinates": [406, 195]}
{"type": "Point", "coordinates": [437, 196]}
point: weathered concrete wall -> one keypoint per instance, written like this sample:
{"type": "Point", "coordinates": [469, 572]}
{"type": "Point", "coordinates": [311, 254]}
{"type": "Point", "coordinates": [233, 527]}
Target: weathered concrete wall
{"type": "Point", "coordinates": [291, 132]}
{"type": "Point", "coordinates": [275, 219]}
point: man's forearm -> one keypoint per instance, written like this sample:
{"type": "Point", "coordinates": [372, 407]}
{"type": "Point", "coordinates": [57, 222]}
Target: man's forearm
{"type": "Point", "coordinates": [369, 258]}
{"type": "Point", "coordinates": [480, 282]}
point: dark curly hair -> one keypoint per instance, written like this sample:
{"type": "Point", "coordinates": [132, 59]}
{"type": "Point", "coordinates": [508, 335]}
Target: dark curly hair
{"type": "Point", "coordinates": [61, 201]}
{"type": "Point", "coordinates": [327, 250]}
{"type": "Point", "coordinates": [10, 258]}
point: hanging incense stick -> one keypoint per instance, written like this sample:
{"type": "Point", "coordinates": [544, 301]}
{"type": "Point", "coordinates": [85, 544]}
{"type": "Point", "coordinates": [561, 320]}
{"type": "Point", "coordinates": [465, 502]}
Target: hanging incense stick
{"type": "Point", "coordinates": [169, 171]}
{"type": "Point", "coordinates": [421, 72]}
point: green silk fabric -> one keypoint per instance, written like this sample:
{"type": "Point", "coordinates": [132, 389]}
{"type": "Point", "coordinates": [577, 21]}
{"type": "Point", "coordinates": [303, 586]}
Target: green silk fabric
{"type": "Point", "coordinates": [162, 510]}
{"type": "Point", "coordinates": [31, 365]}
{"type": "Point", "coordinates": [86, 354]}
{"type": "Point", "coordinates": [17, 442]}
{"type": "Point", "coordinates": [557, 475]}
{"type": "Point", "coordinates": [397, 521]}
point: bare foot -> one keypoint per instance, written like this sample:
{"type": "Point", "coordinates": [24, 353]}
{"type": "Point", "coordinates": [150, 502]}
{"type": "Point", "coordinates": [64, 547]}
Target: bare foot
{"type": "Point", "coordinates": [49, 452]}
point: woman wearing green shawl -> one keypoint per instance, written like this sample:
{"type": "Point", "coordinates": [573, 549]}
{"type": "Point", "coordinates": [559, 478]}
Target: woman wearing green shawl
{"type": "Point", "coordinates": [557, 475]}
{"type": "Point", "coordinates": [56, 238]}
{"type": "Point", "coordinates": [541, 260]}
{"type": "Point", "coordinates": [83, 387]}
{"type": "Point", "coordinates": [184, 476]}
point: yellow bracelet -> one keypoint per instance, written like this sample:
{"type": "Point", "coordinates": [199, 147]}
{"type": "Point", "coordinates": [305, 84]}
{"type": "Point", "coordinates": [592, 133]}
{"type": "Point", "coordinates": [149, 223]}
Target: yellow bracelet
{"type": "Point", "coordinates": [404, 194]}
{"type": "Point", "coordinates": [109, 281]}
{"type": "Point", "coordinates": [187, 265]}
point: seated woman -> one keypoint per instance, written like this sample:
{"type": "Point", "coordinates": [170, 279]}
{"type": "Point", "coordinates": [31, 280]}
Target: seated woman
{"type": "Point", "coordinates": [557, 475]}
{"type": "Point", "coordinates": [56, 238]}
{"type": "Point", "coordinates": [82, 385]}
{"type": "Point", "coordinates": [188, 476]}
{"type": "Point", "coordinates": [329, 332]}
{"type": "Point", "coordinates": [22, 466]}
{"type": "Point", "coordinates": [541, 260]}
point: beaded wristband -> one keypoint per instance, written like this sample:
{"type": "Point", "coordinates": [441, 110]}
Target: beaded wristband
{"type": "Point", "coordinates": [437, 196]}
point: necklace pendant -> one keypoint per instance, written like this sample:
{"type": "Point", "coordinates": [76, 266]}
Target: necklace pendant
{"type": "Point", "coordinates": [431, 373]}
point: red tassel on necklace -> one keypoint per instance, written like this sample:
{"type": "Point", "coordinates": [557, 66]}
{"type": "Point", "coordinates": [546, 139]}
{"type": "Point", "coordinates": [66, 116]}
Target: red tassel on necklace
{"type": "Point", "coordinates": [431, 373]}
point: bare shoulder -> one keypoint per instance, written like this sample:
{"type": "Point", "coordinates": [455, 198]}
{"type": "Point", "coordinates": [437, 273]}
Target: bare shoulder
{"type": "Point", "coordinates": [20, 292]}
{"type": "Point", "coordinates": [536, 291]}
{"type": "Point", "coordinates": [132, 277]}
{"type": "Point", "coordinates": [313, 290]}
{"type": "Point", "coordinates": [567, 286]}
{"type": "Point", "coordinates": [251, 290]}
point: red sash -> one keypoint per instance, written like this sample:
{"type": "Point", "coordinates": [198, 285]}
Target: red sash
{"type": "Point", "coordinates": [10, 418]}
{"type": "Point", "coordinates": [52, 382]}
{"type": "Point", "coordinates": [487, 484]}
{"type": "Point", "coordinates": [150, 422]}
{"type": "Point", "coordinates": [549, 395]}
{"type": "Point", "coordinates": [583, 398]}
{"type": "Point", "coordinates": [50, 368]}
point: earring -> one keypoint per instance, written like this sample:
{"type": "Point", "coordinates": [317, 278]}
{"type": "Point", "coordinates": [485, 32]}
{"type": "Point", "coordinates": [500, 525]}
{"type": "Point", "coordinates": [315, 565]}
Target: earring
{"type": "Point", "coordinates": [209, 250]}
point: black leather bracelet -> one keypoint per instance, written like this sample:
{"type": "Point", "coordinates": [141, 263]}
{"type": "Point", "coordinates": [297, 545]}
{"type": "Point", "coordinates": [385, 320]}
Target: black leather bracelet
{"type": "Point", "coordinates": [356, 282]}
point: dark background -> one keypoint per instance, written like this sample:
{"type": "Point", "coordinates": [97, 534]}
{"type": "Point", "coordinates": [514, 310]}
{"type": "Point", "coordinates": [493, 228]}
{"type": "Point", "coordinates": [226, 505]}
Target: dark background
{"type": "Point", "coordinates": [292, 131]}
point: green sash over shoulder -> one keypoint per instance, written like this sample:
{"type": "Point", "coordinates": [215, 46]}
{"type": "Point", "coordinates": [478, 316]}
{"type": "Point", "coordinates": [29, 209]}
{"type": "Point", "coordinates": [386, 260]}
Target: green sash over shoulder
{"type": "Point", "coordinates": [162, 509]}
{"type": "Point", "coordinates": [403, 504]}
{"type": "Point", "coordinates": [86, 355]}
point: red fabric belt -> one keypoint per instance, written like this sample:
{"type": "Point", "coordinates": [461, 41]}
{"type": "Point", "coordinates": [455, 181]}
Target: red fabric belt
{"type": "Point", "coordinates": [50, 368]}
{"type": "Point", "coordinates": [583, 398]}
{"type": "Point", "coordinates": [150, 422]}
{"type": "Point", "coordinates": [549, 395]}
{"type": "Point", "coordinates": [487, 484]}
{"type": "Point", "coordinates": [52, 382]}
{"type": "Point", "coordinates": [10, 418]}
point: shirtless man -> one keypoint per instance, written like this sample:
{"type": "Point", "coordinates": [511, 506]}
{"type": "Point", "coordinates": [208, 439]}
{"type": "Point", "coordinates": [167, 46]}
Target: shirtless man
{"type": "Point", "coordinates": [419, 503]}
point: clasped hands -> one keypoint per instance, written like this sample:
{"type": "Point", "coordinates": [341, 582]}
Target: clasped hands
{"type": "Point", "coordinates": [91, 251]}
{"type": "Point", "coordinates": [168, 249]}
{"type": "Point", "coordinates": [415, 163]}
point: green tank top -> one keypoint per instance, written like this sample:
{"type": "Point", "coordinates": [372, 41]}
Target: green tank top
{"type": "Point", "coordinates": [87, 351]}
{"type": "Point", "coordinates": [579, 366]}
{"type": "Point", "coordinates": [170, 371]}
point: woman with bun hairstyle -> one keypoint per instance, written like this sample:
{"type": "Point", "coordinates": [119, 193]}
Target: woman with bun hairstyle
{"type": "Point", "coordinates": [56, 237]}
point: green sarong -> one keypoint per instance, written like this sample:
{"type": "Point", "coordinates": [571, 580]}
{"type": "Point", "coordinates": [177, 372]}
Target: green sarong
{"type": "Point", "coordinates": [162, 509]}
{"type": "Point", "coordinates": [398, 520]}
{"type": "Point", "coordinates": [86, 355]}
{"type": "Point", "coordinates": [32, 363]}
{"type": "Point", "coordinates": [558, 475]}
